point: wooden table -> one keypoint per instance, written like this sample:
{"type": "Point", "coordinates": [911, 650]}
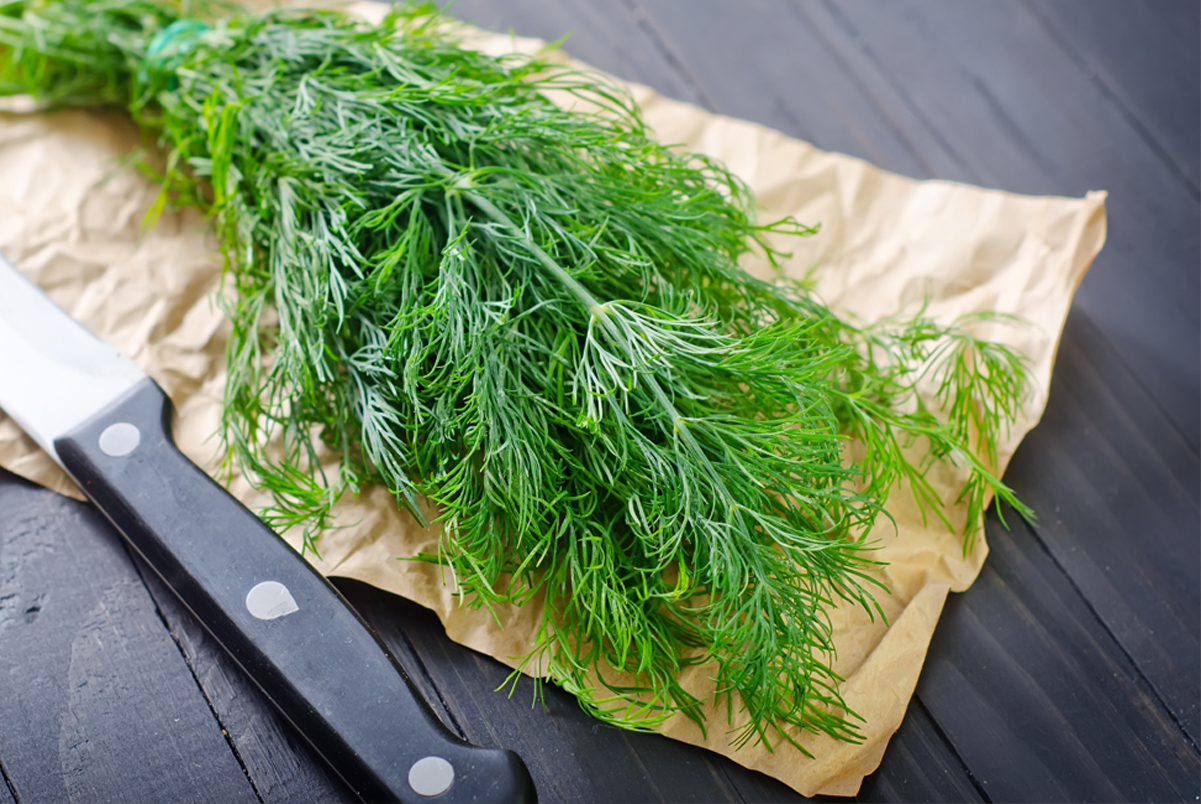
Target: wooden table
{"type": "Point", "coordinates": [1069, 672]}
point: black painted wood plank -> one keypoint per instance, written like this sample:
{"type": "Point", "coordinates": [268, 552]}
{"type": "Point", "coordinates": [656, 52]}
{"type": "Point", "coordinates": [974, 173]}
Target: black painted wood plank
{"type": "Point", "coordinates": [985, 95]}
{"type": "Point", "coordinates": [1039, 700]}
{"type": "Point", "coordinates": [997, 89]}
{"type": "Point", "coordinates": [1148, 57]}
{"type": "Point", "coordinates": [1117, 500]}
{"type": "Point", "coordinates": [281, 767]}
{"type": "Point", "coordinates": [576, 758]}
{"type": "Point", "coordinates": [771, 63]}
{"type": "Point", "coordinates": [990, 96]}
{"type": "Point", "coordinates": [572, 756]}
{"type": "Point", "coordinates": [1128, 598]}
{"type": "Point", "coordinates": [97, 703]}
{"type": "Point", "coordinates": [775, 63]}
{"type": "Point", "coordinates": [459, 679]}
{"type": "Point", "coordinates": [607, 35]}
{"type": "Point", "coordinates": [745, 60]}
{"type": "Point", "coordinates": [919, 766]}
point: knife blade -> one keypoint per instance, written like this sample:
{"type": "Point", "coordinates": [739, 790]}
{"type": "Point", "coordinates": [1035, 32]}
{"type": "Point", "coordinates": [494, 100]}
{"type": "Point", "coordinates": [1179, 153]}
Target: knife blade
{"type": "Point", "coordinates": [109, 425]}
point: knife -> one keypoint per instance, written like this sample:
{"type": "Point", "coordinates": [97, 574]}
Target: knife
{"type": "Point", "coordinates": [109, 426]}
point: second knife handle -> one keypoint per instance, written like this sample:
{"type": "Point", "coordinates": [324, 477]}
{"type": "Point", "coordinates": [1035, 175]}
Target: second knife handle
{"type": "Point", "coordinates": [284, 624]}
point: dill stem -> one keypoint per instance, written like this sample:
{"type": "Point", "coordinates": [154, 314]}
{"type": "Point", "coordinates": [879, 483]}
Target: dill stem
{"type": "Point", "coordinates": [699, 426]}
{"type": "Point", "coordinates": [601, 312]}
{"type": "Point", "coordinates": [589, 301]}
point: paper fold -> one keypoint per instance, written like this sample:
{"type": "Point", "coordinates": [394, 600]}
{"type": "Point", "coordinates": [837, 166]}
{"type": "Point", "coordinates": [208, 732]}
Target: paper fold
{"type": "Point", "coordinates": [70, 219]}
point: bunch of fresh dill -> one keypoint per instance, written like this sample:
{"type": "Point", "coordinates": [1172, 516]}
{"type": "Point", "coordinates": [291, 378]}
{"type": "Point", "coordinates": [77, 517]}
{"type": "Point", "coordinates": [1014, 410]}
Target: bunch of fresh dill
{"type": "Point", "coordinates": [534, 318]}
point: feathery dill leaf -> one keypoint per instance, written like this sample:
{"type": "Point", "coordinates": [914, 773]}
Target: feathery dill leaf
{"type": "Point", "coordinates": [535, 319]}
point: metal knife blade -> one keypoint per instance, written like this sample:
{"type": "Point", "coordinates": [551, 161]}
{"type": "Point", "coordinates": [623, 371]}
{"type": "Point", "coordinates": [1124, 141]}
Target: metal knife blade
{"type": "Point", "coordinates": [109, 426]}
{"type": "Point", "coordinates": [54, 374]}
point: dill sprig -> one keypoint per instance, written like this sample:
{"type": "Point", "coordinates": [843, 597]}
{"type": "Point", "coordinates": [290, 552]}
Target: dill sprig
{"type": "Point", "coordinates": [535, 318]}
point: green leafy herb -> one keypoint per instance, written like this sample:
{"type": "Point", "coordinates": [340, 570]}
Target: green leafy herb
{"type": "Point", "coordinates": [535, 318]}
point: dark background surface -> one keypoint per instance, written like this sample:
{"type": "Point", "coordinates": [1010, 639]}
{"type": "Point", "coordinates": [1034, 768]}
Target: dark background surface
{"type": "Point", "coordinates": [1069, 672]}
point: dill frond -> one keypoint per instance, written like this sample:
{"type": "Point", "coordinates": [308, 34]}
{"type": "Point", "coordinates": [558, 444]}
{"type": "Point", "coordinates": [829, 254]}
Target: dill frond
{"type": "Point", "coordinates": [535, 318]}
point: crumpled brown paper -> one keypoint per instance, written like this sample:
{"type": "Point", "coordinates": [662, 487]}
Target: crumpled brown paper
{"type": "Point", "coordinates": [70, 219]}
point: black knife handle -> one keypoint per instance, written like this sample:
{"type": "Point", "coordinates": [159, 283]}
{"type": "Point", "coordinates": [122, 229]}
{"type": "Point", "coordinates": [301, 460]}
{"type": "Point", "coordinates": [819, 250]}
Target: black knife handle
{"type": "Point", "coordinates": [294, 634]}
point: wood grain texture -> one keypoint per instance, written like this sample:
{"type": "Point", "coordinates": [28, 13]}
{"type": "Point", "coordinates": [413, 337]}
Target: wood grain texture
{"type": "Point", "coordinates": [920, 765]}
{"type": "Point", "coordinates": [996, 87]}
{"type": "Point", "coordinates": [1117, 496]}
{"type": "Point", "coordinates": [1001, 95]}
{"type": "Point", "coordinates": [572, 757]}
{"type": "Point", "coordinates": [986, 95]}
{"type": "Point", "coordinates": [1069, 672]}
{"type": "Point", "coordinates": [575, 758]}
{"type": "Point", "coordinates": [279, 765]}
{"type": "Point", "coordinates": [6, 790]}
{"type": "Point", "coordinates": [87, 668]}
{"type": "Point", "coordinates": [1157, 87]}
{"type": "Point", "coordinates": [611, 35]}
{"type": "Point", "coordinates": [1038, 698]}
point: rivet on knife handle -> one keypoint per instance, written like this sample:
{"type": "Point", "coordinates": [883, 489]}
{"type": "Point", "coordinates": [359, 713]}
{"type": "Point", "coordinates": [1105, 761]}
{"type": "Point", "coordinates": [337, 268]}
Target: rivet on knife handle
{"type": "Point", "coordinates": [279, 619]}
{"type": "Point", "coordinates": [109, 426]}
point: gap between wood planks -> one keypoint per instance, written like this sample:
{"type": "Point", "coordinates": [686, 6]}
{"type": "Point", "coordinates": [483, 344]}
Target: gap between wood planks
{"type": "Point", "coordinates": [8, 785]}
{"type": "Point", "coordinates": [963, 767]}
{"type": "Point", "coordinates": [142, 569]}
{"type": "Point", "coordinates": [1138, 292]}
{"type": "Point", "coordinates": [674, 60]}
{"type": "Point", "coordinates": [1114, 97]}
{"type": "Point", "coordinates": [1159, 698]}
{"type": "Point", "coordinates": [1122, 358]}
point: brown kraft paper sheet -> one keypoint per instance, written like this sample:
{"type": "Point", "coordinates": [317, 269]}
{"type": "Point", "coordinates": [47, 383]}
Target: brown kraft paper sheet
{"type": "Point", "coordinates": [70, 218]}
